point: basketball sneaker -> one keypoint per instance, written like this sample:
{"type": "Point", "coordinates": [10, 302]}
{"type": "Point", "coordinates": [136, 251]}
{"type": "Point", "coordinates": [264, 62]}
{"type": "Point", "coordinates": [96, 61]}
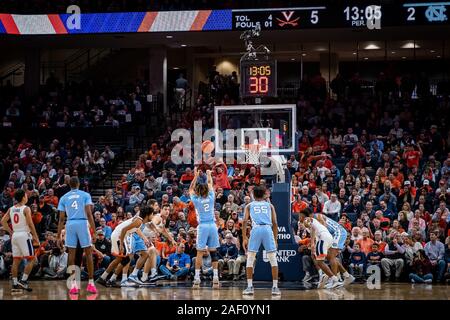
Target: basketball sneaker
{"type": "Point", "coordinates": [323, 280]}
{"type": "Point", "coordinates": [196, 283]}
{"type": "Point", "coordinates": [91, 288]}
{"type": "Point", "coordinates": [216, 282]}
{"type": "Point", "coordinates": [135, 280]}
{"type": "Point", "coordinates": [74, 290]}
{"type": "Point", "coordinates": [276, 291]}
{"type": "Point", "coordinates": [111, 283]}
{"type": "Point", "coordinates": [334, 283]}
{"type": "Point", "coordinates": [307, 277]}
{"type": "Point", "coordinates": [348, 280]}
{"type": "Point", "coordinates": [249, 291]}
{"type": "Point", "coordinates": [101, 281]}
{"type": "Point", "coordinates": [24, 285]}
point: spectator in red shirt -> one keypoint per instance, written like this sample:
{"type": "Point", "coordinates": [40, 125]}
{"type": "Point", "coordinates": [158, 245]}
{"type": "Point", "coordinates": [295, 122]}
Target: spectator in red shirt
{"type": "Point", "coordinates": [412, 156]}
{"type": "Point", "coordinates": [320, 144]}
{"type": "Point", "coordinates": [221, 178]}
{"type": "Point", "coordinates": [187, 176]}
{"type": "Point", "coordinates": [113, 223]}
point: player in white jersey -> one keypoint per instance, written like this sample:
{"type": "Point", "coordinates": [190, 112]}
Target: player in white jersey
{"type": "Point", "coordinates": [321, 240]}
{"type": "Point", "coordinates": [23, 237]}
{"type": "Point", "coordinates": [339, 237]}
{"type": "Point", "coordinates": [264, 232]}
{"type": "Point", "coordinates": [121, 246]}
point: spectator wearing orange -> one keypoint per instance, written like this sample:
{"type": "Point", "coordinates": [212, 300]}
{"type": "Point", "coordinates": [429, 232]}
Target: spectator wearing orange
{"type": "Point", "coordinates": [178, 206]}
{"type": "Point", "coordinates": [298, 205]}
{"type": "Point", "coordinates": [378, 239]}
{"type": "Point", "coordinates": [365, 243]}
{"type": "Point", "coordinates": [153, 153]}
{"type": "Point", "coordinates": [192, 215]}
{"type": "Point", "coordinates": [51, 199]}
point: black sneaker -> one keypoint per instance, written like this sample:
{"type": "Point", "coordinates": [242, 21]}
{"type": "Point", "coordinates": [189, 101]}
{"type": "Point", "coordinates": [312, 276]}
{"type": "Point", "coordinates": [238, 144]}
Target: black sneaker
{"type": "Point", "coordinates": [24, 285]}
{"type": "Point", "coordinates": [110, 283]}
{"type": "Point", "coordinates": [16, 288]}
{"type": "Point", "coordinates": [102, 282]}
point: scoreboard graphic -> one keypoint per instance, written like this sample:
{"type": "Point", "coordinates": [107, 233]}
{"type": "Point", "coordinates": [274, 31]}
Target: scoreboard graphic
{"type": "Point", "coordinates": [372, 14]}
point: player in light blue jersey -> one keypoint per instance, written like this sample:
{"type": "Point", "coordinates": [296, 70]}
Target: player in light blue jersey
{"type": "Point", "coordinates": [77, 206]}
{"type": "Point", "coordinates": [339, 236]}
{"type": "Point", "coordinates": [202, 195]}
{"type": "Point", "coordinates": [264, 232]}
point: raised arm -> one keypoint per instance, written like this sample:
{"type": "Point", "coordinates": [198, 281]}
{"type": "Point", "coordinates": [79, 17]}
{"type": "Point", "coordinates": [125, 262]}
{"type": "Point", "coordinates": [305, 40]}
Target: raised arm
{"type": "Point", "coordinates": [210, 180]}
{"type": "Point", "coordinates": [194, 182]}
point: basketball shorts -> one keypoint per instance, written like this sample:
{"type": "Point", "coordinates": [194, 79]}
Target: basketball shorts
{"type": "Point", "coordinates": [323, 244]}
{"type": "Point", "coordinates": [115, 246]}
{"type": "Point", "coordinates": [262, 235]}
{"type": "Point", "coordinates": [22, 245]}
{"type": "Point", "coordinates": [207, 236]}
{"type": "Point", "coordinates": [339, 238]}
{"type": "Point", "coordinates": [137, 244]}
{"type": "Point", "coordinates": [77, 231]}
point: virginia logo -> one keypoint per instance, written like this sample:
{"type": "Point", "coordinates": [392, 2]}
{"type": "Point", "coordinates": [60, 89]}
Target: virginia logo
{"type": "Point", "coordinates": [287, 19]}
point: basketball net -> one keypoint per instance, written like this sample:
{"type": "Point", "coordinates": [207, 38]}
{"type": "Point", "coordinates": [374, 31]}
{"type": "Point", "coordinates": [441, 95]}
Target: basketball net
{"type": "Point", "coordinates": [252, 152]}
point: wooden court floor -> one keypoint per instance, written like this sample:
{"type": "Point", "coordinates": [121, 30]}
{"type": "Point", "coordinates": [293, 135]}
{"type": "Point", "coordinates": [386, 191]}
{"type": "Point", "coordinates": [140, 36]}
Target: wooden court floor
{"type": "Point", "coordinates": [56, 290]}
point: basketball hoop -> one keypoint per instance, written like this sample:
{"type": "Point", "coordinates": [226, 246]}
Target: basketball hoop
{"type": "Point", "coordinates": [252, 152]}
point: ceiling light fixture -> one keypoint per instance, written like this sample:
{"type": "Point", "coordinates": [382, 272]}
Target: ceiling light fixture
{"type": "Point", "coordinates": [372, 47]}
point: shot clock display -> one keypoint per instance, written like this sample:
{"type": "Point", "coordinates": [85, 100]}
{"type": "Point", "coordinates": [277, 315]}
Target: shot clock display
{"type": "Point", "coordinates": [258, 78]}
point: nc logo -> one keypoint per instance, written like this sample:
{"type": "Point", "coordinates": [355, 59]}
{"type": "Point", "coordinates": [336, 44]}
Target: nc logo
{"type": "Point", "coordinates": [436, 13]}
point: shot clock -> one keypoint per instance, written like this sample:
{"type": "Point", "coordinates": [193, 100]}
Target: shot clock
{"type": "Point", "coordinates": [258, 78]}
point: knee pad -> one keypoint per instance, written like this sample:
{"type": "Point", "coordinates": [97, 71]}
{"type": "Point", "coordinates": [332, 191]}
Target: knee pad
{"type": "Point", "coordinates": [251, 258]}
{"type": "Point", "coordinates": [273, 258]}
{"type": "Point", "coordinates": [125, 261]}
{"type": "Point", "coordinates": [214, 256]}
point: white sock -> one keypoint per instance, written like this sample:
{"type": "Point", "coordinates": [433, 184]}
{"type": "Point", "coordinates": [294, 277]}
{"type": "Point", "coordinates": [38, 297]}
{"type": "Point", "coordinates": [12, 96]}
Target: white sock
{"type": "Point", "coordinates": [91, 281]}
{"type": "Point", "coordinates": [154, 272]}
{"type": "Point", "coordinates": [104, 275]}
{"type": "Point", "coordinates": [275, 283]}
{"type": "Point", "coordinates": [346, 274]}
{"type": "Point", "coordinates": [334, 279]}
{"type": "Point", "coordinates": [124, 277]}
{"type": "Point", "coordinates": [197, 274]}
{"type": "Point", "coordinates": [144, 276]}
{"type": "Point", "coordinates": [135, 272]}
{"type": "Point", "coordinates": [216, 273]}
{"type": "Point", "coordinates": [249, 283]}
{"type": "Point", "coordinates": [15, 281]}
{"type": "Point", "coordinates": [113, 277]}
{"type": "Point", "coordinates": [24, 277]}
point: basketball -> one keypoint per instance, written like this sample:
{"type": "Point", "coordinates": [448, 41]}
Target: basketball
{"type": "Point", "coordinates": [207, 146]}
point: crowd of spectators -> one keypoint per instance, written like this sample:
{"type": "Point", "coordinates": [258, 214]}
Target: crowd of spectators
{"type": "Point", "coordinates": [77, 105]}
{"type": "Point", "coordinates": [379, 164]}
